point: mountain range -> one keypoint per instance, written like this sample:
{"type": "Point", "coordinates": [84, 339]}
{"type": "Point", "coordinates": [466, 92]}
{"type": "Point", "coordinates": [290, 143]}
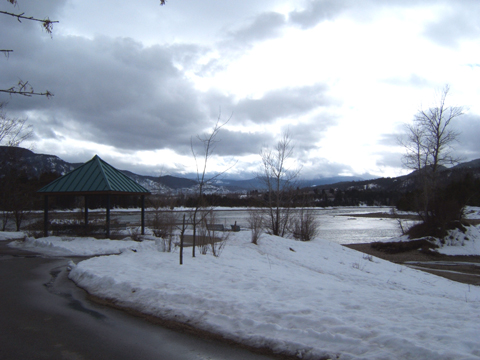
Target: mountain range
{"type": "Point", "coordinates": [36, 164]}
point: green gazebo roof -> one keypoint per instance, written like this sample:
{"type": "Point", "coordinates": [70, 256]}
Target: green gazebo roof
{"type": "Point", "coordinates": [94, 177]}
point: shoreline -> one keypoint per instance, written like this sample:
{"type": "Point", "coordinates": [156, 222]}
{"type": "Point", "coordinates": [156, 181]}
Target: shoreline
{"type": "Point", "coordinates": [460, 268]}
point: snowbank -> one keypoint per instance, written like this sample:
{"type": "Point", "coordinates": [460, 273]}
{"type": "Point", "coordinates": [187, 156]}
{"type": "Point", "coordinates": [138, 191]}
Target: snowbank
{"type": "Point", "coordinates": [69, 246]}
{"type": "Point", "coordinates": [11, 235]}
{"type": "Point", "coordinates": [309, 299]}
{"type": "Point", "coordinates": [459, 243]}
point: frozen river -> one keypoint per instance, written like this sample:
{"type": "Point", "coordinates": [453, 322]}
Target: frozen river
{"type": "Point", "coordinates": [340, 225]}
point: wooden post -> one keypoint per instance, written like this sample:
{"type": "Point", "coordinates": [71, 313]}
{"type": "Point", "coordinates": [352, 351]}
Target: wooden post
{"type": "Point", "coordinates": [181, 240]}
{"type": "Point", "coordinates": [45, 217]}
{"type": "Point", "coordinates": [143, 214]}
{"type": "Point", "coordinates": [108, 217]}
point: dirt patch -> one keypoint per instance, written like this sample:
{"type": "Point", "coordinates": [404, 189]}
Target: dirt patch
{"type": "Point", "coordinates": [464, 269]}
{"type": "Point", "coordinates": [397, 247]}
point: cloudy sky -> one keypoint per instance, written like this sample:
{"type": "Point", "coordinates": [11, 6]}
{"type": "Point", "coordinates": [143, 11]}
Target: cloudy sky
{"type": "Point", "coordinates": [135, 82]}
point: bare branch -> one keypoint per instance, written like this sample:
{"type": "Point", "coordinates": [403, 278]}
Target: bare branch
{"type": "Point", "coordinates": [209, 143]}
{"type": "Point", "coordinates": [25, 89]}
{"type": "Point", "coordinates": [13, 131]}
{"type": "Point", "coordinates": [428, 147]}
{"type": "Point", "coordinates": [47, 24]}
{"type": "Point", "coordinates": [430, 138]}
{"type": "Point", "coordinates": [279, 181]}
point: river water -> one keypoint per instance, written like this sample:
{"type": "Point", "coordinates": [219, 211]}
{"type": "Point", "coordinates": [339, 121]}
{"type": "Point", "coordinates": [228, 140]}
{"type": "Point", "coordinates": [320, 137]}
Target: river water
{"type": "Point", "coordinates": [342, 225]}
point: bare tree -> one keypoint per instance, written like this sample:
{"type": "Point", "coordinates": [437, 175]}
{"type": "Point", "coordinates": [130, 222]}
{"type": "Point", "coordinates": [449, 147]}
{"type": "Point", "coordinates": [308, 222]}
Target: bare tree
{"type": "Point", "coordinates": [13, 131]}
{"type": "Point", "coordinates": [23, 87]}
{"type": "Point", "coordinates": [13, 182]}
{"type": "Point", "coordinates": [208, 142]}
{"type": "Point", "coordinates": [429, 146]}
{"type": "Point", "coordinates": [431, 137]}
{"type": "Point", "coordinates": [279, 180]}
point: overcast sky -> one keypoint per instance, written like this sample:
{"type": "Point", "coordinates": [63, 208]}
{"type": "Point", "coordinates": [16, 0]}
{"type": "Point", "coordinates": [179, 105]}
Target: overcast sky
{"type": "Point", "coordinates": [134, 82]}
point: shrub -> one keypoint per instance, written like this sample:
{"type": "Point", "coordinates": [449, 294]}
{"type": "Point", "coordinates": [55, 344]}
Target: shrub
{"type": "Point", "coordinates": [304, 225]}
{"type": "Point", "coordinates": [255, 222]}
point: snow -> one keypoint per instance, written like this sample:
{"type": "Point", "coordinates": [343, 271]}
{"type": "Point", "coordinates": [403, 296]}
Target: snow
{"type": "Point", "coordinates": [68, 246]}
{"type": "Point", "coordinates": [459, 243]}
{"type": "Point", "coordinates": [309, 299]}
{"type": "Point", "coordinates": [314, 299]}
{"type": "Point", "coordinates": [11, 235]}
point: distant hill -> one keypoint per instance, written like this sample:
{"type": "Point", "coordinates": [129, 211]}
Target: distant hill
{"type": "Point", "coordinates": [257, 184]}
{"type": "Point", "coordinates": [36, 164]}
{"type": "Point", "coordinates": [406, 182]}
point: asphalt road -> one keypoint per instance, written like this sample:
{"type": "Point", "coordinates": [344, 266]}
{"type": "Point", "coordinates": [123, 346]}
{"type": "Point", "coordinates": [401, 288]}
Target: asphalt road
{"type": "Point", "coordinates": [43, 315]}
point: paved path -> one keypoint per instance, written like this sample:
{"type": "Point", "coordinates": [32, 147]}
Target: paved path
{"type": "Point", "coordinates": [43, 315]}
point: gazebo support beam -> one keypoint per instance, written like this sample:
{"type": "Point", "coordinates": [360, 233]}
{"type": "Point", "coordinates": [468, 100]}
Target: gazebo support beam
{"type": "Point", "coordinates": [108, 216]}
{"type": "Point", "coordinates": [143, 214]}
{"type": "Point", "coordinates": [45, 217]}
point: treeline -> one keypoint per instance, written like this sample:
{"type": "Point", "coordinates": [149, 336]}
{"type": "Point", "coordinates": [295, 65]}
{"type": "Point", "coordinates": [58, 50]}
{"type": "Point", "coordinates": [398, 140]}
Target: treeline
{"type": "Point", "coordinates": [18, 192]}
{"type": "Point", "coordinates": [454, 195]}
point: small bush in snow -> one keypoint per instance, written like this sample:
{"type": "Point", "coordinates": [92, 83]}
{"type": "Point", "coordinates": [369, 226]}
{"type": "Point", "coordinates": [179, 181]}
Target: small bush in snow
{"type": "Point", "coordinates": [304, 225]}
{"type": "Point", "coordinates": [255, 222]}
{"type": "Point", "coordinates": [208, 239]}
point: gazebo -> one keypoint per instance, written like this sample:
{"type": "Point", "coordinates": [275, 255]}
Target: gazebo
{"type": "Point", "coordinates": [95, 177]}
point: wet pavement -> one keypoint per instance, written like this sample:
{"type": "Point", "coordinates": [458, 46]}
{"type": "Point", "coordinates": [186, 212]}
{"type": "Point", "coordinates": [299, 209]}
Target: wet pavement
{"type": "Point", "coordinates": [45, 316]}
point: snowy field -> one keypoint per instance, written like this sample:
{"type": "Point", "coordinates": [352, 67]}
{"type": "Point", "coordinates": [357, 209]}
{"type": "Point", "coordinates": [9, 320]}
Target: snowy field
{"type": "Point", "coordinates": [313, 299]}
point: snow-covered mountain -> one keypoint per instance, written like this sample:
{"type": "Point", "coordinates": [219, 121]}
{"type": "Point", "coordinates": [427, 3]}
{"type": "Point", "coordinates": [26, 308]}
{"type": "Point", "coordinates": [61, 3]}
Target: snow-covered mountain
{"type": "Point", "coordinates": [36, 164]}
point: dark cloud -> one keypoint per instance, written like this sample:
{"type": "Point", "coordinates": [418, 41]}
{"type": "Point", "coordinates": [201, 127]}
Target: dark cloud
{"type": "Point", "coordinates": [235, 42]}
{"type": "Point", "coordinates": [321, 168]}
{"type": "Point", "coordinates": [390, 159]}
{"type": "Point", "coordinates": [121, 93]}
{"type": "Point", "coordinates": [458, 21]}
{"type": "Point", "coordinates": [391, 139]}
{"type": "Point", "coordinates": [113, 91]}
{"type": "Point", "coordinates": [131, 96]}
{"type": "Point", "coordinates": [306, 136]}
{"type": "Point", "coordinates": [283, 103]}
{"type": "Point", "coordinates": [235, 143]}
{"type": "Point", "coordinates": [317, 11]}
{"type": "Point", "coordinates": [265, 26]}
{"type": "Point", "coordinates": [468, 146]}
